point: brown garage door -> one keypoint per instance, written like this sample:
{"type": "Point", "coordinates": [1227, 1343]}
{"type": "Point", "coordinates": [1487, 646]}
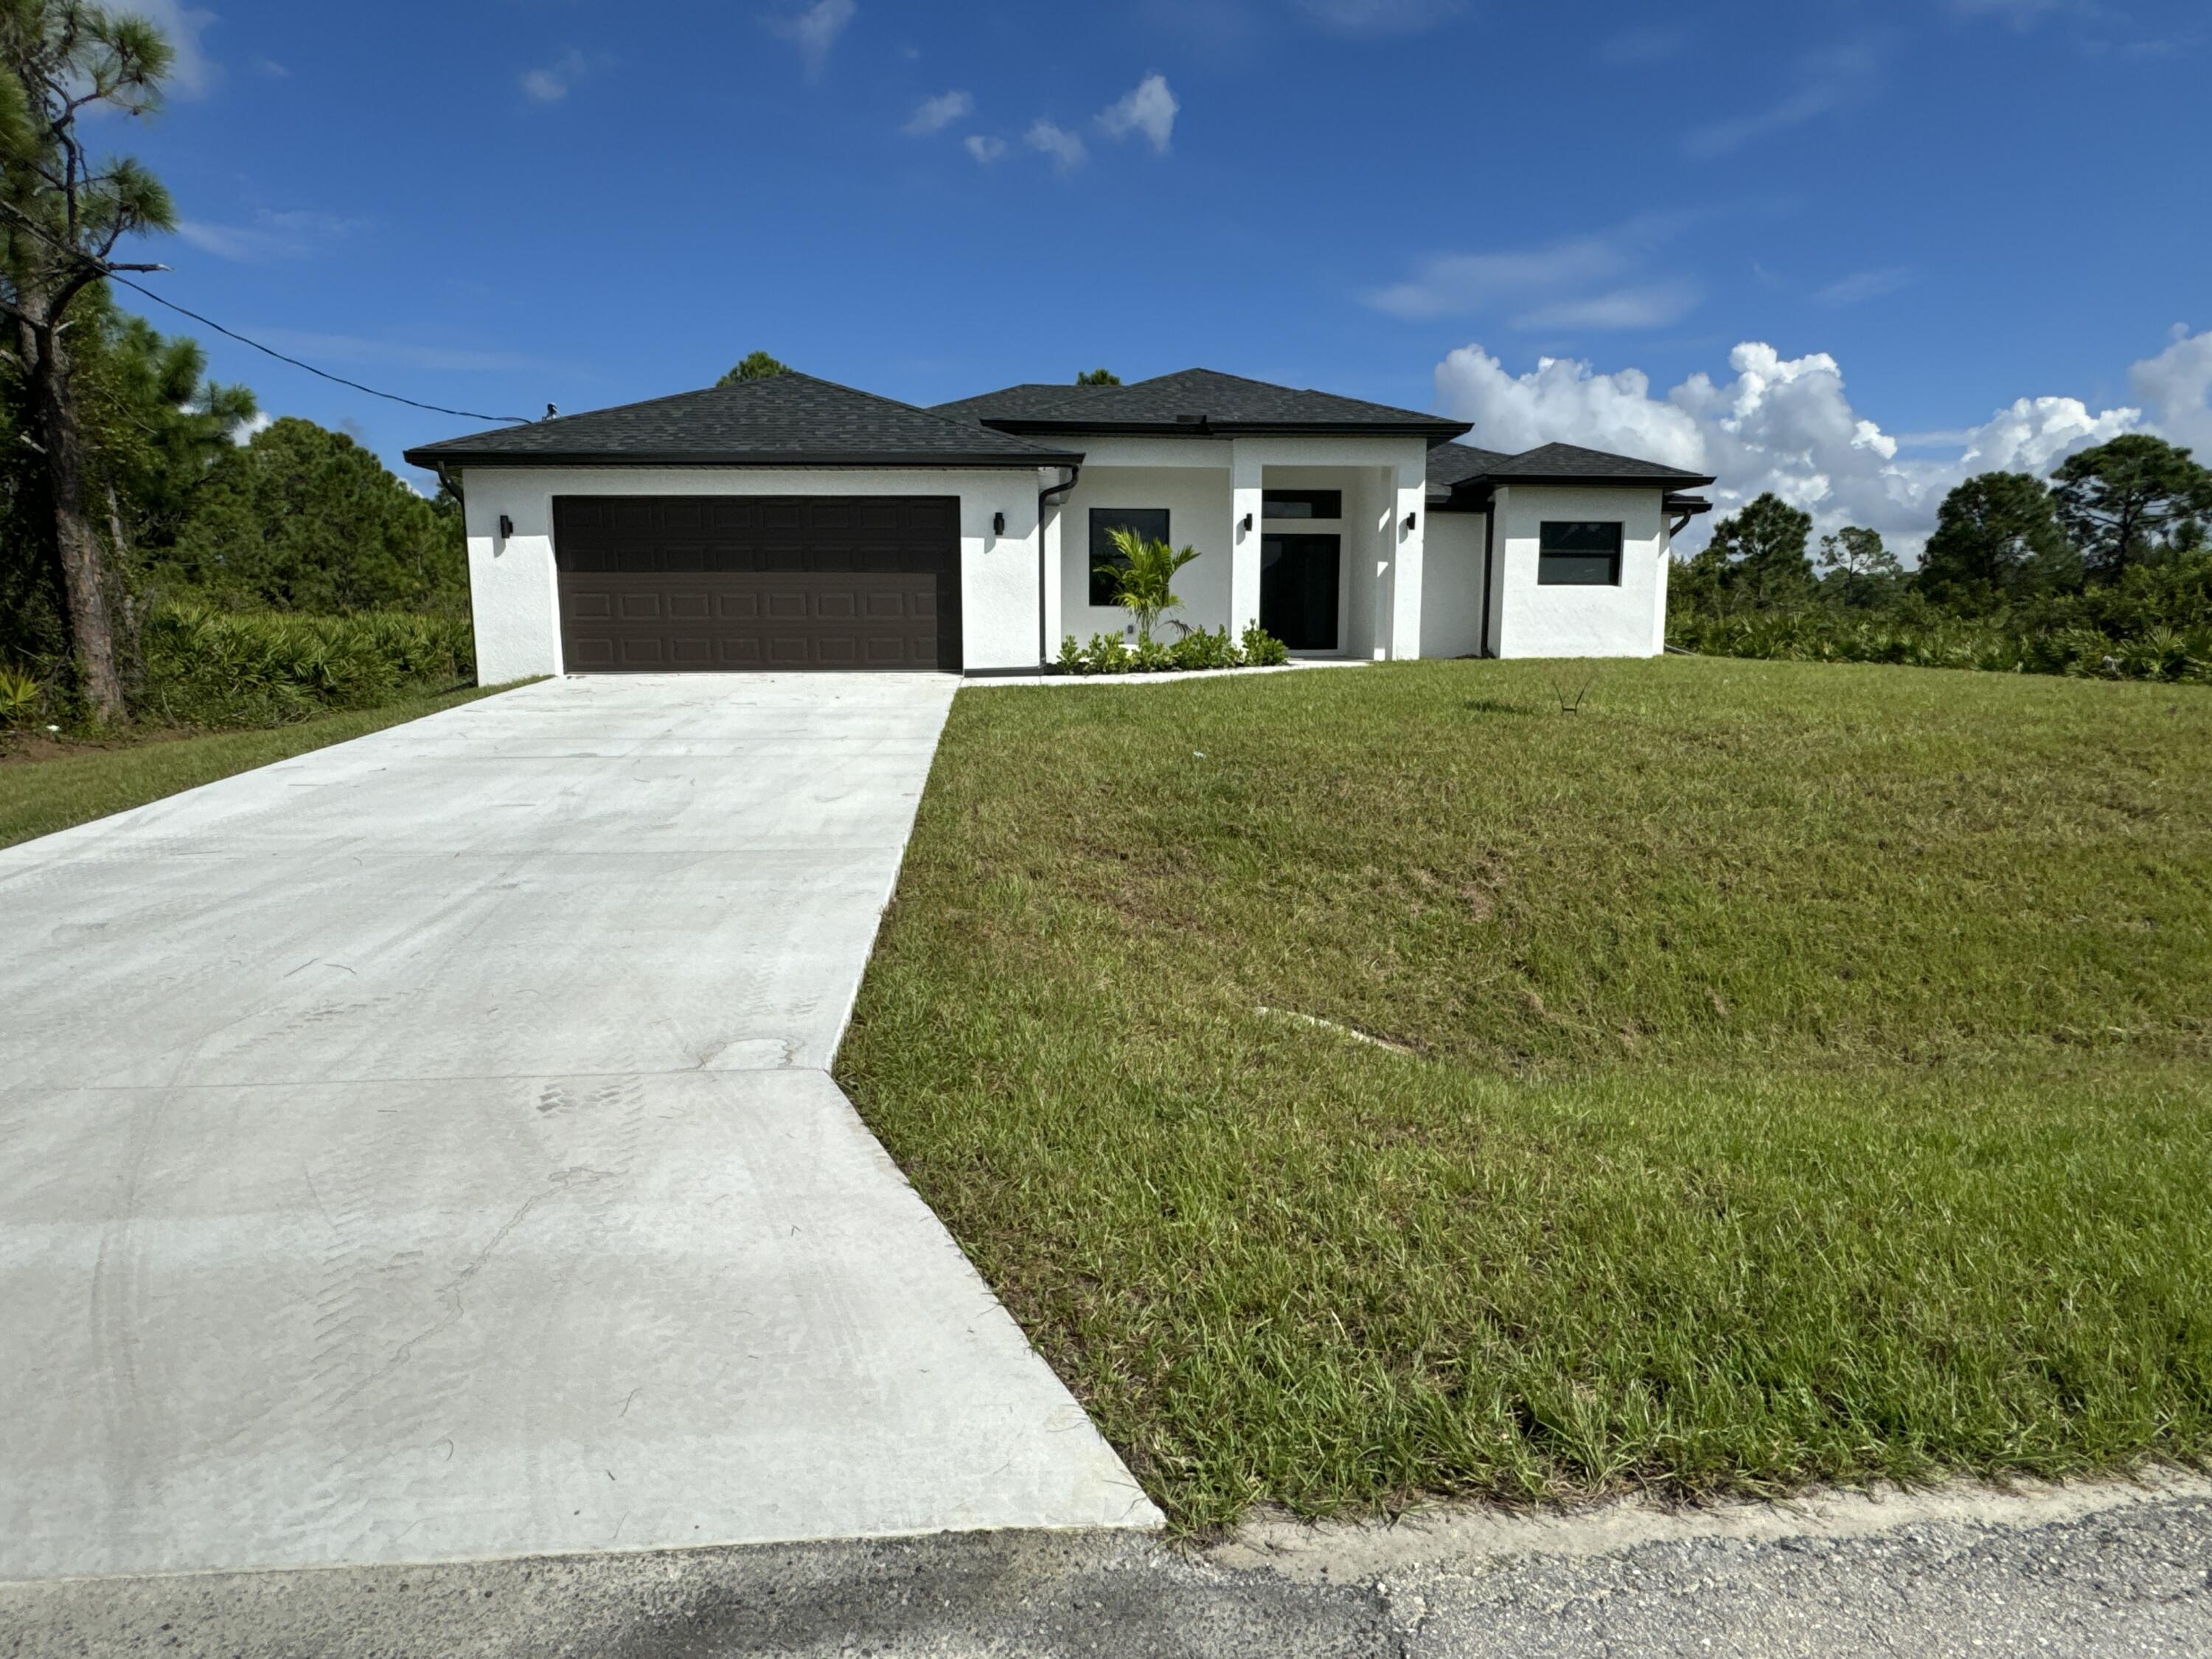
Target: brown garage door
{"type": "Point", "coordinates": [650, 584]}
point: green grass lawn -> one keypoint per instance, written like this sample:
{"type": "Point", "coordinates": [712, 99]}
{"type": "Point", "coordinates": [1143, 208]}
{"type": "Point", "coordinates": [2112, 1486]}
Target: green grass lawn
{"type": "Point", "coordinates": [38, 797]}
{"type": "Point", "coordinates": [1805, 1074]}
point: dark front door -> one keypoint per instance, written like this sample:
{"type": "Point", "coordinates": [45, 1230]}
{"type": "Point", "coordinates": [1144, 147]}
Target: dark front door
{"type": "Point", "coordinates": [660, 584]}
{"type": "Point", "coordinates": [1298, 590]}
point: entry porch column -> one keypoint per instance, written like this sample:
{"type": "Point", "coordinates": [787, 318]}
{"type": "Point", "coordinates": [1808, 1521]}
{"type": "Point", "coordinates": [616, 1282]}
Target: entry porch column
{"type": "Point", "coordinates": [1245, 473]}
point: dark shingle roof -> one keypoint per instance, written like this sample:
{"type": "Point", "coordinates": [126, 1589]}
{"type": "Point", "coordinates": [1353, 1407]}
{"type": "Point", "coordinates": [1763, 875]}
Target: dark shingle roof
{"type": "Point", "coordinates": [1014, 402]}
{"type": "Point", "coordinates": [1193, 401]}
{"type": "Point", "coordinates": [1462, 473]}
{"type": "Point", "coordinates": [1452, 464]}
{"type": "Point", "coordinates": [786, 419]}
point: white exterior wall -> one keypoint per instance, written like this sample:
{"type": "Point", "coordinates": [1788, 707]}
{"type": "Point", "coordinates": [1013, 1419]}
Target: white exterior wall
{"type": "Point", "coordinates": [1627, 621]}
{"type": "Point", "coordinates": [1197, 500]}
{"type": "Point", "coordinates": [1405, 538]}
{"type": "Point", "coordinates": [1451, 586]}
{"type": "Point", "coordinates": [514, 589]}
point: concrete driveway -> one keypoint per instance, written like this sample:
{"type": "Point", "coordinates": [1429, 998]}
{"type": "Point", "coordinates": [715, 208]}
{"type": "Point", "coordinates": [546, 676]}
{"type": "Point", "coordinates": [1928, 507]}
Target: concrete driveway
{"type": "Point", "coordinates": [422, 1150]}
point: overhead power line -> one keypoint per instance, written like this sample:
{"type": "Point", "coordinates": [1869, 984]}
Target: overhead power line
{"type": "Point", "coordinates": [232, 333]}
{"type": "Point", "coordinates": [112, 273]}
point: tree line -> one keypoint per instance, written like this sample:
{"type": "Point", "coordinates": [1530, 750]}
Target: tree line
{"type": "Point", "coordinates": [122, 482]}
{"type": "Point", "coordinates": [2105, 567]}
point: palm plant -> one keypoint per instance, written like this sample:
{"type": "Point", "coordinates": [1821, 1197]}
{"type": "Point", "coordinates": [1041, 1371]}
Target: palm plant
{"type": "Point", "coordinates": [1143, 578]}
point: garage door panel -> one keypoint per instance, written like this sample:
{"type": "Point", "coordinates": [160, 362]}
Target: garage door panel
{"type": "Point", "coordinates": [670, 583]}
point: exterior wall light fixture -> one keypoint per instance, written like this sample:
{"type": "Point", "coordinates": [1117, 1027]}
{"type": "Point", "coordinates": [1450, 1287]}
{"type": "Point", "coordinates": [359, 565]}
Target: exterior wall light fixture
{"type": "Point", "coordinates": [1409, 524]}
{"type": "Point", "coordinates": [505, 526]}
{"type": "Point", "coordinates": [998, 523]}
{"type": "Point", "coordinates": [1247, 525]}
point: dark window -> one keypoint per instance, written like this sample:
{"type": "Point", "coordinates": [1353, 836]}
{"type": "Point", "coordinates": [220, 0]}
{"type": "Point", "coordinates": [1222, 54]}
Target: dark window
{"type": "Point", "coordinates": [1149, 522]}
{"type": "Point", "coordinates": [1579, 555]}
{"type": "Point", "coordinates": [1302, 504]}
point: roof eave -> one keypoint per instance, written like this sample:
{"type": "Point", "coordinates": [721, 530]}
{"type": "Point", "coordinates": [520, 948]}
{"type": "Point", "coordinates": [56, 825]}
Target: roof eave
{"type": "Point", "coordinates": [937, 461]}
{"type": "Point", "coordinates": [1489, 481]}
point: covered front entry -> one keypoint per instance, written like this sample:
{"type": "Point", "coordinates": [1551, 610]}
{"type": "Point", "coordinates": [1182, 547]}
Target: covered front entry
{"type": "Point", "coordinates": [655, 584]}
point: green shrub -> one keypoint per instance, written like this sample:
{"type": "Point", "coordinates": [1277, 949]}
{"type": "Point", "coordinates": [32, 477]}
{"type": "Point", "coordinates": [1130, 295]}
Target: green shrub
{"type": "Point", "coordinates": [1107, 654]}
{"type": "Point", "coordinates": [212, 668]}
{"type": "Point", "coordinates": [1151, 656]}
{"type": "Point", "coordinates": [1110, 653]}
{"type": "Point", "coordinates": [1207, 648]}
{"type": "Point", "coordinates": [1263, 649]}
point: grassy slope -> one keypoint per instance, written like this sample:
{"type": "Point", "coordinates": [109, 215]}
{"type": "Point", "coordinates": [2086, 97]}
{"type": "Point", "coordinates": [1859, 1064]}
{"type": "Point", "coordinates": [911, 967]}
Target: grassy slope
{"type": "Point", "coordinates": [1810, 1080]}
{"type": "Point", "coordinates": [40, 797]}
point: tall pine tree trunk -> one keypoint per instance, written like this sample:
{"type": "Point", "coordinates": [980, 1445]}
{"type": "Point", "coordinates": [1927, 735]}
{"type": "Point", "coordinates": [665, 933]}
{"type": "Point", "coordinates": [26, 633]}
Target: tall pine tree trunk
{"type": "Point", "coordinates": [75, 542]}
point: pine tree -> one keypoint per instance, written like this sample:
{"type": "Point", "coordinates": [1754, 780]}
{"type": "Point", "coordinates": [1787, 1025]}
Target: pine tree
{"type": "Point", "coordinates": [61, 214]}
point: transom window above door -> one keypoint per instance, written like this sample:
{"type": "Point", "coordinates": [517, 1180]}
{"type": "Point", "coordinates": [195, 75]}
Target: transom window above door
{"type": "Point", "coordinates": [1302, 503]}
{"type": "Point", "coordinates": [1579, 553]}
{"type": "Point", "coordinates": [1149, 522]}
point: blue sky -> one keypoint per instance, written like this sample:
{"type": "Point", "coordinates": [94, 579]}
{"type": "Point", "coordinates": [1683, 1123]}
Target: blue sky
{"type": "Point", "coordinates": [1925, 212]}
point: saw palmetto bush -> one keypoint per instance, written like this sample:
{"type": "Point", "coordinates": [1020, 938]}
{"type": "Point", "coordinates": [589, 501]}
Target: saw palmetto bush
{"type": "Point", "coordinates": [212, 668]}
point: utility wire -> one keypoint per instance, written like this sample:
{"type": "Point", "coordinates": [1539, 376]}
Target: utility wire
{"type": "Point", "coordinates": [392, 397]}
{"type": "Point", "coordinates": [113, 273]}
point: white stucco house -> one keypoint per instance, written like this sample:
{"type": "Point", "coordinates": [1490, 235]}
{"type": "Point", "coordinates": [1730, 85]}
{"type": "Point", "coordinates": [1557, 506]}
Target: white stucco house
{"type": "Point", "coordinates": [791, 523]}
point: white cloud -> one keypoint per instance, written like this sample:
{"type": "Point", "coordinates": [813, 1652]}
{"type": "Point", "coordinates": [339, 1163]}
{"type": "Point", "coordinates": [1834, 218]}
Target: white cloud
{"type": "Point", "coordinates": [1065, 150]}
{"type": "Point", "coordinates": [1864, 285]}
{"type": "Point", "coordinates": [1780, 423]}
{"type": "Point", "coordinates": [1828, 82]}
{"type": "Point", "coordinates": [260, 421]}
{"type": "Point", "coordinates": [1655, 306]}
{"type": "Point", "coordinates": [193, 73]}
{"type": "Point", "coordinates": [272, 69]}
{"type": "Point", "coordinates": [1456, 284]}
{"type": "Point", "coordinates": [550, 84]}
{"type": "Point", "coordinates": [1577, 276]}
{"type": "Point", "coordinates": [985, 149]}
{"type": "Point", "coordinates": [935, 114]}
{"type": "Point", "coordinates": [815, 30]}
{"type": "Point", "coordinates": [1563, 401]}
{"type": "Point", "coordinates": [1377, 19]}
{"type": "Point", "coordinates": [271, 235]}
{"type": "Point", "coordinates": [1148, 108]}
{"type": "Point", "coordinates": [2176, 384]}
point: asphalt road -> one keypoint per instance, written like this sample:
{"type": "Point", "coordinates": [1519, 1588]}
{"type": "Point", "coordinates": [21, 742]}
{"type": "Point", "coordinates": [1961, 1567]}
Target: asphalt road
{"type": "Point", "coordinates": [2108, 1572]}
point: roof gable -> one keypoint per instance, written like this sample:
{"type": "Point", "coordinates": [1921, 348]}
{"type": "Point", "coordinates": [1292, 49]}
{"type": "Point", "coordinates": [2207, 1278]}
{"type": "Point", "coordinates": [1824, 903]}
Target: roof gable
{"type": "Point", "coordinates": [789, 419]}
